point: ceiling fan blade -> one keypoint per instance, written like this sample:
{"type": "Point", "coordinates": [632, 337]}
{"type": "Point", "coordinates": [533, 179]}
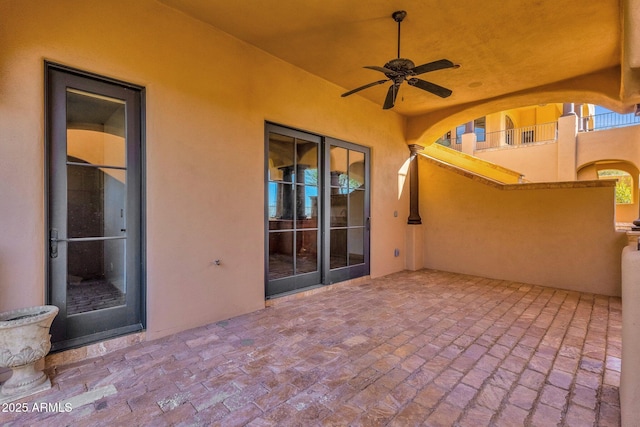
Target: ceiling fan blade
{"type": "Point", "coordinates": [433, 66]}
{"type": "Point", "coordinates": [379, 82]}
{"type": "Point", "coordinates": [384, 70]}
{"type": "Point", "coordinates": [390, 100]}
{"type": "Point", "coordinates": [442, 92]}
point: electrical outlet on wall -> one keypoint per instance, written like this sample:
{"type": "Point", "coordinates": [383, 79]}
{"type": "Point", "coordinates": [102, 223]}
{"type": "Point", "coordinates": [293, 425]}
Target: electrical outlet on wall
{"type": "Point", "coordinates": [396, 252]}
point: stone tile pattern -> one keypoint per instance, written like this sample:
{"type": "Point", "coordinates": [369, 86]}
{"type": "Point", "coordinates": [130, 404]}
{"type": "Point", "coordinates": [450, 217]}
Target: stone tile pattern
{"type": "Point", "coordinates": [425, 348]}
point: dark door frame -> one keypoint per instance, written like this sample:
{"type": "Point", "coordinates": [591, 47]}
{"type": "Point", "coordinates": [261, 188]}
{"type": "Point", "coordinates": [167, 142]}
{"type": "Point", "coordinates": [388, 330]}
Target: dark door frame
{"type": "Point", "coordinates": [57, 75]}
{"type": "Point", "coordinates": [361, 269]}
{"type": "Point", "coordinates": [326, 275]}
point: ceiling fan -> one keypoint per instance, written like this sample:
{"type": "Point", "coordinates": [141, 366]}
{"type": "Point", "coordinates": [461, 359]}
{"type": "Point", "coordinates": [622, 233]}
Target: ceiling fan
{"type": "Point", "coordinates": [400, 70]}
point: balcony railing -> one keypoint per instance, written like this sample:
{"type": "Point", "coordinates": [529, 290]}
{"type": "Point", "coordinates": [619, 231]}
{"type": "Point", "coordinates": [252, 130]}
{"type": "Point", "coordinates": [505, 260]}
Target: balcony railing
{"type": "Point", "coordinates": [608, 121]}
{"type": "Point", "coordinates": [453, 143]}
{"type": "Point", "coordinates": [545, 132]}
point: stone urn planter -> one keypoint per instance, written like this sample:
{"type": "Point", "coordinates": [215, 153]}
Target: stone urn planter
{"type": "Point", "coordinates": [25, 339]}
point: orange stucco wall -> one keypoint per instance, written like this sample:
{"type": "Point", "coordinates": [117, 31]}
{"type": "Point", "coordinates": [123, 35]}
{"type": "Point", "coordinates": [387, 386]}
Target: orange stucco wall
{"type": "Point", "coordinates": [208, 96]}
{"type": "Point", "coordinates": [559, 237]}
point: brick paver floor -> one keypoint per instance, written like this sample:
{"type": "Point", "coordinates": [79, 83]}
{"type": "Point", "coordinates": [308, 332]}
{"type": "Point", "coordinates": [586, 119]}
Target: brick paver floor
{"type": "Point", "coordinates": [424, 348]}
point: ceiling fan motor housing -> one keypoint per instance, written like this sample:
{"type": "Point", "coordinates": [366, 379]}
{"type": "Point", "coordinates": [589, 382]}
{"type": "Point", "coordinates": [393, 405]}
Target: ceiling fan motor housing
{"type": "Point", "coordinates": [400, 65]}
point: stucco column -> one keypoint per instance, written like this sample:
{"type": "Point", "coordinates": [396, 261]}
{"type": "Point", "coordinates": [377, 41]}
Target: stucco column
{"type": "Point", "coordinates": [567, 109]}
{"type": "Point", "coordinates": [414, 259]}
{"type": "Point", "coordinates": [630, 369]}
{"type": "Point", "coordinates": [578, 111]}
{"type": "Point", "coordinates": [469, 143]}
{"type": "Point", "coordinates": [414, 210]}
{"type": "Point", "coordinates": [469, 127]}
{"type": "Point", "coordinates": [567, 136]}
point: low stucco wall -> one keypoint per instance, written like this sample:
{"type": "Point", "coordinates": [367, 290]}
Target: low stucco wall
{"type": "Point", "coordinates": [551, 235]}
{"type": "Point", "coordinates": [208, 96]}
{"type": "Point", "coordinates": [537, 162]}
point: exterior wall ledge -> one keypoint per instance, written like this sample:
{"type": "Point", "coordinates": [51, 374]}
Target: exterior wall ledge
{"type": "Point", "coordinates": [560, 185]}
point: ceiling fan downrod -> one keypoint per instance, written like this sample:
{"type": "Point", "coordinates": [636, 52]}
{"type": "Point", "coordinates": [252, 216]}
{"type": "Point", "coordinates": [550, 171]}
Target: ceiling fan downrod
{"type": "Point", "coordinates": [399, 16]}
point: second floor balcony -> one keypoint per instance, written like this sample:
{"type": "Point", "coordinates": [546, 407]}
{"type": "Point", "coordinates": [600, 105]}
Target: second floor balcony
{"type": "Point", "coordinates": [541, 133]}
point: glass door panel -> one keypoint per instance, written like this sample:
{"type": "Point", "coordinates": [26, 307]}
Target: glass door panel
{"type": "Point", "coordinates": [293, 210]}
{"type": "Point", "coordinates": [96, 202]}
{"type": "Point", "coordinates": [338, 248]}
{"type": "Point", "coordinates": [348, 247]}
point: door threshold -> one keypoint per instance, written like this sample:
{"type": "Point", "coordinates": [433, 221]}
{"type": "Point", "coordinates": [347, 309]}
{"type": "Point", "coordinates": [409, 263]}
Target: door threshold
{"type": "Point", "coordinates": [278, 299]}
{"type": "Point", "coordinates": [95, 349]}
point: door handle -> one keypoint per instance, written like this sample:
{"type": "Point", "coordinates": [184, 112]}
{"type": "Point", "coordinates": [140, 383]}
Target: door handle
{"type": "Point", "coordinates": [368, 224]}
{"type": "Point", "coordinates": [53, 243]}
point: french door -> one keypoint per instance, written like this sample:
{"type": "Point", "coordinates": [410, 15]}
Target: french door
{"type": "Point", "coordinates": [94, 159]}
{"type": "Point", "coordinates": [317, 192]}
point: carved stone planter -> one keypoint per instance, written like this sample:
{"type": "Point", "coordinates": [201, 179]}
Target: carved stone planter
{"type": "Point", "coordinates": [25, 339]}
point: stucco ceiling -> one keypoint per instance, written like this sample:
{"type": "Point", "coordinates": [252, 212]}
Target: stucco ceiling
{"type": "Point", "coordinates": [503, 47]}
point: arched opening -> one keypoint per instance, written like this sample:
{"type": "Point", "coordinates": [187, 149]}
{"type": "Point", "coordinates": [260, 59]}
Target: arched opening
{"type": "Point", "coordinates": [626, 174]}
{"type": "Point", "coordinates": [624, 184]}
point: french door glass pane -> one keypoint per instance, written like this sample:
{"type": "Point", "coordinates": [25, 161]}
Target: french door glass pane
{"type": "Point", "coordinates": [307, 198]}
{"type": "Point", "coordinates": [95, 129]}
{"type": "Point", "coordinates": [356, 170]}
{"type": "Point", "coordinates": [280, 206]}
{"type": "Point", "coordinates": [356, 208]}
{"type": "Point", "coordinates": [356, 245]}
{"type": "Point", "coordinates": [306, 251]}
{"type": "Point", "coordinates": [96, 275]}
{"type": "Point", "coordinates": [338, 172]}
{"type": "Point", "coordinates": [338, 250]}
{"type": "Point", "coordinates": [307, 162]}
{"type": "Point", "coordinates": [280, 254]}
{"type": "Point", "coordinates": [339, 210]}
{"type": "Point", "coordinates": [281, 149]}
{"type": "Point", "coordinates": [96, 201]}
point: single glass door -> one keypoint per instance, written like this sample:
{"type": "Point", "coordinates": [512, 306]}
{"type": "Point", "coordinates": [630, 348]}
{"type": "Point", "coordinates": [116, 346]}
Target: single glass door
{"type": "Point", "coordinates": [94, 207]}
{"type": "Point", "coordinates": [347, 192]}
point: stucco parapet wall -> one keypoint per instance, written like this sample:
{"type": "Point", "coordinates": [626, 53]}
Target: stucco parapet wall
{"type": "Point", "coordinates": [523, 186]}
{"type": "Point", "coordinates": [472, 164]}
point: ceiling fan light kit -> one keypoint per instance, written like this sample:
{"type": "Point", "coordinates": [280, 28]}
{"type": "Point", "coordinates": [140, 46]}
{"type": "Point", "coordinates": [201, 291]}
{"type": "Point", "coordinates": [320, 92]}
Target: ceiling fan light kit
{"type": "Point", "coordinates": [399, 70]}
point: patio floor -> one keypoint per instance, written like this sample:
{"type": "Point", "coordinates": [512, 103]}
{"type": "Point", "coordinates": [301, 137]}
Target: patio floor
{"type": "Point", "coordinates": [414, 348]}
